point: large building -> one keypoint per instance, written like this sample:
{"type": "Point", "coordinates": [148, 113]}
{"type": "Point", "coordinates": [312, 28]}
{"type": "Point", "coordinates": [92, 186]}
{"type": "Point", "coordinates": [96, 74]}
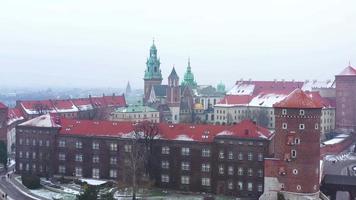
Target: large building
{"type": "Point", "coordinates": [225, 160]}
{"type": "Point", "coordinates": [135, 113]}
{"type": "Point", "coordinates": [255, 99]}
{"type": "Point", "coordinates": [176, 102]}
{"type": "Point", "coordinates": [294, 171]}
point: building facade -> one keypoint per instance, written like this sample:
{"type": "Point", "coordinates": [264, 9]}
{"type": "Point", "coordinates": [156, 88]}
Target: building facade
{"type": "Point", "coordinates": [294, 171]}
{"type": "Point", "coordinates": [135, 113]}
{"type": "Point", "coordinates": [200, 158]}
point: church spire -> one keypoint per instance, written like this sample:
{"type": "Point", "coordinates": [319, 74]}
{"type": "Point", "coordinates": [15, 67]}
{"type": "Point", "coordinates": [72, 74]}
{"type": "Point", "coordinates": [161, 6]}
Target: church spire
{"type": "Point", "coordinates": [189, 77]}
{"type": "Point", "coordinates": [153, 63]}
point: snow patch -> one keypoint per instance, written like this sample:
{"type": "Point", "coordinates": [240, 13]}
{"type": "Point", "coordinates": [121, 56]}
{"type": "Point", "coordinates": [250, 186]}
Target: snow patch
{"type": "Point", "coordinates": [93, 181]}
{"type": "Point", "coordinates": [184, 137]}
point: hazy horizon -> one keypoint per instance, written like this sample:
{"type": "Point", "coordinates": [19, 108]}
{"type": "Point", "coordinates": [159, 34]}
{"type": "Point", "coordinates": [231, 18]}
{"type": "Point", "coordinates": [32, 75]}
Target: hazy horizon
{"type": "Point", "coordinates": [46, 44]}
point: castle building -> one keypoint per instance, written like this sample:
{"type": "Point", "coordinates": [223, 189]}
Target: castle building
{"type": "Point", "coordinates": [135, 113]}
{"type": "Point", "coordinates": [153, 75]}
{"type": "Point", "coordinates": [226, 160]}
{"type": "Point", "coordinates": [345, 98]}
{"type": "Point", "coordinates": [294, 170]}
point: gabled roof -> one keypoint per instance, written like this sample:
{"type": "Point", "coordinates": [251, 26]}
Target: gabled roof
{"type": "Point", "coordinates": [62, 106]}
{"type": "Point", "coordinates": [82, 104]}
{"type": "Point", "coordinates": [348, 71]}
{"type": "Point", "coordinates": [14, 115]}
{"type": "Point", "coordinates": [47, 121]}
{"type": "Point", "coordinates": [173, 74]}
{"type": "Point", "coordinates": [36, 107]}
{"type": "Point", "coordinates": [298, 99]}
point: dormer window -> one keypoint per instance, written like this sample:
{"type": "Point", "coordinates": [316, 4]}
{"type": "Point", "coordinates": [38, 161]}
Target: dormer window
{"type": "Point", "coordinates": [301, 126]}
{"type": "Point", "coordinates": [284, 111]}
{"type": "Point", "coordinates": [301, 112]}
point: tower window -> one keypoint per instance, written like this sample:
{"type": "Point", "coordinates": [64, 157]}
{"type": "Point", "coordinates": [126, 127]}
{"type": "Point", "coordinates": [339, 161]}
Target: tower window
{"type": "Point", "coordinates": [299, 187]}
{"type": "Point", "coordinates": [297, 141]}
{"type": "Point", "coordinates": [301, 126]}
{"type": "Point", "coordinates": [294, 153]}
{"type": "Point", "coordinates": [284, 126]}
{"type": "Point", "coordinates": [284, 111]}
{"type": "Point", "coordinates": [295, 171]}
{"type": "Point", "coordinates": [317, 126]}
{"type": "Point", "coordinates": [301, 112]}
{"type": "Point", "coordinates": [155, 69]}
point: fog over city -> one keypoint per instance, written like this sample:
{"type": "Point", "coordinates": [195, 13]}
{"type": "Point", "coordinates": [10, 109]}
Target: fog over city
{"type": "Point", "coordinates": [66, 43]}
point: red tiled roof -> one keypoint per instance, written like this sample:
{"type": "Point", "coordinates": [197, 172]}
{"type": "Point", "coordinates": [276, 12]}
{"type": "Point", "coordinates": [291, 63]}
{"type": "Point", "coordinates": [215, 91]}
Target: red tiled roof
{"type": "Point", "coordinates": [235, 99]}
{"type": "Point", "coordinates": [2, 105]}
{"type": "Point", "coordinates": [32, 105]}
{"type": "Point", "coordinates": [115, 100]}
{"type": "Point", "coordinates": [14, 115]}
{"type": "Point", "coordinates": [298, 99]}
{"type": "Point", "coordinates": [324, 101]}
{"type": "Point", "coordinates": [185, 132]}
{"type": "Point", "coordinates": [348, 71]}
{"type": "Point", "coordinates": [63, 104]}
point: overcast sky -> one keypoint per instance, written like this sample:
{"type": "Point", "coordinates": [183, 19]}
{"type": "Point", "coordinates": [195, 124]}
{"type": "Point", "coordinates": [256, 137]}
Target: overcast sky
{"type": "Point", "coordinates": [88, 43]}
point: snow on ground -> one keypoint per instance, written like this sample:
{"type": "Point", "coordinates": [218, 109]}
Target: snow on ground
{"type": "Point", "coordinates": [342, 157]}
{"type": "Point", "coordinates": [334, 141]}
{"type": "Point", "coordinates": [93, 181]}
{"type": "Point", "coordinates": [45, 193]}
{"type": "Point", "coordinates": [11, 163]}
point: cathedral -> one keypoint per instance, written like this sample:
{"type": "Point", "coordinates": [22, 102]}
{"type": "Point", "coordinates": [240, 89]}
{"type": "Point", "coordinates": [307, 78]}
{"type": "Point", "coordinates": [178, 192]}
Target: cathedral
{"type": "Point", "coordinates": [185, 102]}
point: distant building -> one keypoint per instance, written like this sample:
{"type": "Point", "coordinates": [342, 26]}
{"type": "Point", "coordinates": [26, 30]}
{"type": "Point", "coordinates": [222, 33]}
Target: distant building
{"type": "Point", "coordinates": [3, 122]}
{"type": "Point", "coordinates": [294, 171]}
{"type": "Point", "coordinates": [135, 113]}
{"type": "Point", "coordinates": [345, 99]}
{"type": "Point", "coordinates": [128, 90]}
{"type": "Point", "coordinates": [176, 102]}
{"type": "Point", "coordinates": [225, 160]}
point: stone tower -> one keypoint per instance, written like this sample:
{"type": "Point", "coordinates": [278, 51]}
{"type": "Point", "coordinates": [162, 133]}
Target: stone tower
{"type": "Point", "coordinates": [294, 169]}
{"type": "Point", "coordinates": [153, 75]}
{"type": "Point", "coordinates": [173, 95]}
{"type": "Point", "coordinates": [345, 98]}
{"type": "Point", "coordinates": [189, 77]}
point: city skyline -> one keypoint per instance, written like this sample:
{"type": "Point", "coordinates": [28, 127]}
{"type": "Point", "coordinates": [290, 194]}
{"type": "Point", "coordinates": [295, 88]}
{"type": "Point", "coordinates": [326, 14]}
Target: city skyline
{"type": "Point", "coordinates": [81, 44]}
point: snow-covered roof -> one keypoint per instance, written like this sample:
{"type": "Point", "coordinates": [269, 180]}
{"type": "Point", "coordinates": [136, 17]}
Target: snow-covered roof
{"type": "Point", "coordinates": [266, 100]}
{"type": "Point", "coordinates": [14, 115]}
{"type": "Point", "coordinates": [242, 89]}
{"type": "Point", "coordinates": [315, 84]}
{"type": "Point", "coordinates": [334, 141]}
{"type": "Point", "coordinates": [46, 120]}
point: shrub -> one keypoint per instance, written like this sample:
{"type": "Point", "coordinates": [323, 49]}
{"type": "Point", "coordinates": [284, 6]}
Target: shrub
{"type": "Point", "coordinates": [31, 181]}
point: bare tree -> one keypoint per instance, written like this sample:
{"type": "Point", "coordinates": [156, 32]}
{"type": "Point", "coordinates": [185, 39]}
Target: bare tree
{"type": "Point", "coordinates": [40, 108]}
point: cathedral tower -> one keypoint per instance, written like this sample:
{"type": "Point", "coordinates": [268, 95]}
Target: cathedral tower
{"type": "Point", "coordinates": [173, 95]}
{"type": "Point", "coordinates": [153, 75]}
{"type": "Point", "coordinates": [189, 77]}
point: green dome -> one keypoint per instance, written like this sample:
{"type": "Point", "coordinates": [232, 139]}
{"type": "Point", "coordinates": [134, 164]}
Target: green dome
{"type": "Point", "coordinates": [221, 87]}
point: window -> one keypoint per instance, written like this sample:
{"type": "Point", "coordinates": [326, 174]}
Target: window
{"type": "Point", "coordinates": [78, 144]}
{"type": "Point", "coordinates": [165, 164]}
{"type": "Point", "coordinates": [33, 167]}
{"type": "Point", "coordinates": [249, 186]}
{"type": "Point", "coordinates": [230, 170]}
{"type": "Point", "coordinates": [47, 143]}
{"type": "Point", "coordinates": [205, 167]}
{"type": "Point", "coordinates": [259, 187]}
{"type": "Point", "coordinates": [113, 160]}
{"type": "Point", "coordinates": [113, 147]}
{"type": "Point", "coordinates": [260, 157]}
{"type": "Point", "coordinates": [61, 169]}
{"type": "Point", "coordinates": [165, 150]}
{"type": "Point", "coordinates": [20, 166]}
{"type": "Point", "coordinates": [284, 111]}
{"type": "Point", "coordinates": [95, 159]}
{"type": "Point", "coordinates": [240, 185]}
{"type": "Point", "coordinates": [299, 187]}
{"type": "Point", "coordinates": [20, 154]}
{"type": "Point", "coordinates": [301, 126]}
{"type": "Point", "coordinates": [260, 173]}
{"type": "Point", "coordinates": [295, 171]}
{"type": "Point", "coordinates": [241, 156]}
{"type": "Point", "coordinates": [284, 125]}
{"type": "Point", "coordinates": [316, 126]}
{"type": "Point", "coordinates": [205, 181]}
{"type": "Point", "coordinates": [230, 155]}
{"type": "Point", "coordinates": [249, 156]}
{"type": "Point", "coordinates": [78, 171]}
{"type": "Point", "coordinates": [185, 166]}
{"type": "Point", "coordinates": [221, 154]}
{"type": "Point", "coordinates": [164, 178]}
{"type": "Point", "coordinates": [79, 157]}
{"type": "Point", "coordinates": [113, 173]}
{"type": "Point", "coordinates": [205, 153]}
{"type": "Point", "coordinates": [230, 185]}
{"type": "Point", "coordinates": [40, 142]}
{"type": "Point", "coordinates": [250, 172]}
{"type": "Point", "coordinates": [297, 141]}
{"type": "Point", "coordinates": [221, 169]}
{"type": "Point", "coordinates": [301, 112]}
{"type": "Point", "coordinates": [127, 148]}
{"type": "Point", "coordinates": [184, 180]}
{"type": "Point", "coordinates": [33, 155]}
{"type": "Point", "coordinates": [185, 151]}
{"type": "Point", "coordinates": [27, 167]}
{"type": "Point", "coordinates": [33, 142]}
{"type": "Point", "coordinates": [62, 143]}
{"type": "Point", "coordinates": [95, 173]}
{"type": "Point", "coordinates": [294, 153]}
{"type": "Point", "coordinates": [20, 141]}
{"type": "Point", "coordinates": [95, 145]}
{"type": "Point", "coordinates": [61, 156]}
{"type": "Point", "coordinates": [27, 141]}
{"type": "Point", "coordinates": [27, 154]}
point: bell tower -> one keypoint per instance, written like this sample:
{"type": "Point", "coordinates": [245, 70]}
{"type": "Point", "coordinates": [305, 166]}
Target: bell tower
{"type": "Point", "coordinates": [173, 95]}
{"type": "Point", "coordinates": [153, 75]}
